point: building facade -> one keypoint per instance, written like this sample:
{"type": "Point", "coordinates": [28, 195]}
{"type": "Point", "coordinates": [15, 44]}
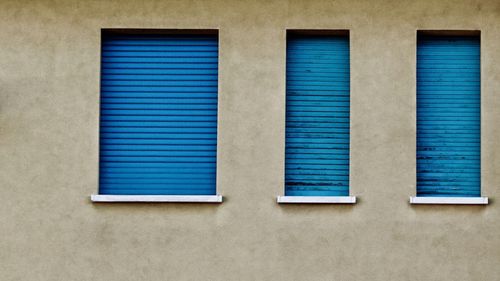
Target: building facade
{"type": "Point", "coordinates": [57, 83]}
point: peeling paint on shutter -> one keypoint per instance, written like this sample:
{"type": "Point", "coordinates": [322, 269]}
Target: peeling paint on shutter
{"type": "Point", "coordinates": [448, 116]}
{"type": "Point", "coordinates": [317, 116]}
{"type": "Point", "coordinates": [158, 133]}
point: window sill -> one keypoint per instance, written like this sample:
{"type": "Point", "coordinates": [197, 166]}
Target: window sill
{"type": "Point", "coordinates": [98, 198]}
{"type": "Point", "coordinates": [316, 199]}
{"type": "Point", "coordinates": [449, 200]}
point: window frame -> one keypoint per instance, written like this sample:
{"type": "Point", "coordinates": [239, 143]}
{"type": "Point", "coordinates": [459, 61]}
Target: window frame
{"type": "Point", "coordinates": [112, 198]}
{"type": "Point", "coordinates": [350, 199]}
{"type": "Point", "coordinates": [451, 200]}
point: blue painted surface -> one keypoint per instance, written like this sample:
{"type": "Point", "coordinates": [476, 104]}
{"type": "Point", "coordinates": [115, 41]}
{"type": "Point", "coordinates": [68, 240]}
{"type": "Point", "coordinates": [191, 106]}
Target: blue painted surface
{"type": "Point", "coordinates": [448, 117]}
{"type": "Point", "coordinates": [158, 133]}
{"type": "Point", "coordinates": [317, 116]}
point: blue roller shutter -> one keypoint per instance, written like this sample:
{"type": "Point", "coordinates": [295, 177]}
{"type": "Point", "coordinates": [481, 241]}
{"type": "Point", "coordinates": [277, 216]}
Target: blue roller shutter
{"type": "Point", "coordinates": [448, 116]}
{"type": "Point", "coordinates": [317, 116]}
{"type": "Point", "coordinates": [158, 133]}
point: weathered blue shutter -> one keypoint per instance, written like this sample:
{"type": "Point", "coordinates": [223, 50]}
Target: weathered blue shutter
{"type": "Point", "coordinates": [448, 116]}
{"type": "Point", "coordinates": [317, 116]}
{"type": "Point", "coordinates": [158, 133]}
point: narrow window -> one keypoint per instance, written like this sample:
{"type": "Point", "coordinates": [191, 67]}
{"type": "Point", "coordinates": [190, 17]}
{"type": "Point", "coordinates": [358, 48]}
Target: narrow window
{"type": "Point", "coordinates": [448, 116]}
{"type": "Point", "coordinates": [158, 126]}
{"type": "Point", "coordinates": [317, 115]}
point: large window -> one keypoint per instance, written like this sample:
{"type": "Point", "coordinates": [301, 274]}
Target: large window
{"type": "Point", "coordinates": [158, 133]}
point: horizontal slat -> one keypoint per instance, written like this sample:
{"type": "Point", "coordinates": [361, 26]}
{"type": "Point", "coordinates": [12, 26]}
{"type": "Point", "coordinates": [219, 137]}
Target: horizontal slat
{"type": "Point", "coordinates": [299, 173]}
{"type": "Point", "coordinates": [445, 120]}
{"type": "Point", "coordinates": [313, 179]}
{"type": "Point", "coordinates": [445, 148]}
{"type": "Point", "coordinates": [159, 118]}
{"type": "Point", "coordinates": [317, 99]}
{"type": "Point", "coordinates": [330, 87]}
{"type": "Point", "coordinates": [432, 128]}
{"type": "Point", "coordinates": [156, 88]}
{"type": "Point", "coordinates": [456, 113]}
{"type": "Point", "coordinates": [157, 172]}
{"type": "Point", "coordinates": [318, 76]}
{"type": "Point", "coordinates": [159, 165]}
{"type": "Point", "coordinates": [149, 40]}
{"type": "Point", "coordinates": [165, 71]}
{"type": "Point", "coordinates": [185, 52]}
{"type": "Point", "coordinates": [427, 98]}
{"type": "Point", "coordinates": [160, 60]}
{"type": "Point", "coordinates": [462, 176]}
{"type": "Point", "coordinates": [428, 54]}
{"type": "Point", "coordinates": [446, 67]}
{"type": "Point", "coordinates": [152, 187]}
{"type": "Point", "coordinates": [162, 136]}
{"type": "Point", "coordinates": [302, 139]}
{"type": "Point", "coordinates": [322, 125]}
{"type": "Point", "coordinates": [166, 49]}
{"type": "Point", "coordinates": [160, 159]}
{"type": "Point", "coordinates": [160, 124]}
{"type": "Point", "coordinates": [451, 86]}
{"type": "Point", "coordinates": [333, 104]}
{"type": "Point", "coordinates": [155, 101]}
{"type": "Point", "coordinates": [194, 78]}
{"type": "Point", "coordinates": [453, 60]}
{"type": "Point", "coordinates": [321, 130]}
{"type": "Point", "coordinates": [341, 190]}
{"type": "Point", "coordinates": [463, 135]}
{"type": "Point", "coordinates": [449, 79]}
{"type": "Point", "coordinates": [325, 186]}
{"type": "Point", "coordinates": [329, 146]}
{"type": "Point", "coordinates": [317, 92]}
{"type": "Point", "coordinates": [317, 151]}
{"type": "Point", "coordinates": [167, 182]}
{"type": "Point", "coordinates": [153, 142]}
{"type": "Point", "coordinates": [315, 193]}
{"type": "Point", "coordinates": [316, 161]}
{"type": "Point", "coordinates": [147, 107]}
{"type": "Point", "coordinates": [308, 71]}
{"type": "Point", "coordinates": [194, 187]}
{"type": "Point", "coordinates": [342, 115]}
{"type": "Point", "coordinates": [318, 156]}
{"type": "Point", "coordinates": [155, 153]}
{"type": "Point", "coordinates": [318, 166]}
{"type": "Point", "coordinates": [161, 65]}
{"type": "Point", "coordinates": [159, 112]}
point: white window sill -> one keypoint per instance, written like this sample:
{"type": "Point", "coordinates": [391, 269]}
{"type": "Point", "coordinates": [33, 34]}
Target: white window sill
{"type": "Point", "coordinates": [449, 200]}
{"type": "Point", "coordinates": [98, 198]}
{"type": "Point", "coordinates": [316, 199]}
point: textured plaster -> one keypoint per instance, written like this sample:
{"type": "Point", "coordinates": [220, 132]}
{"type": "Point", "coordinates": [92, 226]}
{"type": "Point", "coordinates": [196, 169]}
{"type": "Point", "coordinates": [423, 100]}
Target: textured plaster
{"type": "Point", "coordinates": [49, 95]}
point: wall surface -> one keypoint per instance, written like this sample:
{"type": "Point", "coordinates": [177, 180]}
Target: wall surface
{"type": "Point", "coordinates": [49, 104]}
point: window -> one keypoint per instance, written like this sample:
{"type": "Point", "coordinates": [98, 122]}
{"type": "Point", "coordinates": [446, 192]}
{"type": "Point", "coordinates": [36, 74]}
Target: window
{"type": "Point", "coordinates": [158, 126]}
{"type": "Point", "coordinates": [448, 116]}
{"type": "Point", "coordinates": [317, 116]}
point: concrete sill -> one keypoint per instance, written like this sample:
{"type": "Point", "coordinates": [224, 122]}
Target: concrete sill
{"type": "Point", "coordinates": [316, 199]}
{"type": "Point", "coordinates": [98, 198]}
{"type": "Point", "coordinates": [449, 200]}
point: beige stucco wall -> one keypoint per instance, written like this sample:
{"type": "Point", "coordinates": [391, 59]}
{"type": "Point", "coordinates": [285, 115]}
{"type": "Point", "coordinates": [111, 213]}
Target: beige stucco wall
{"type": "Point", "coordinates": [49, 93]}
